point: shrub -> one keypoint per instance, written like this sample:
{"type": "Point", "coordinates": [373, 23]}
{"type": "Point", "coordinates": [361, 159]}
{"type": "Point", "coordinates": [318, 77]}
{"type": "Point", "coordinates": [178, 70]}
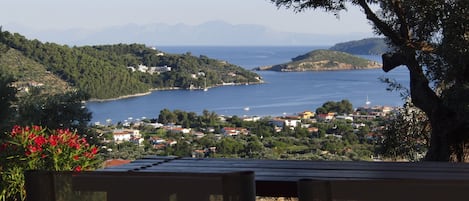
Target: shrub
{"type": "Point", "coordinates": [37, 148]}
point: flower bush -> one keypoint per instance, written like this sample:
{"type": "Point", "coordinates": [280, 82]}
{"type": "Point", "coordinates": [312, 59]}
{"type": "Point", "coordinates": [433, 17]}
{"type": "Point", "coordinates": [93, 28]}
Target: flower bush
{"type": "Point", "coordinates": [37, 148]}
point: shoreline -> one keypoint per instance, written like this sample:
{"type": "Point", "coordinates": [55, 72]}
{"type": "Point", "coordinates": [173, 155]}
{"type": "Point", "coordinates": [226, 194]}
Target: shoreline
{"type": "Point", "coordinates": [131, 95]}
{"type": "Point", "coordinates": [165, 89]}
{"type": "Point", "coordinates": [269, 68]}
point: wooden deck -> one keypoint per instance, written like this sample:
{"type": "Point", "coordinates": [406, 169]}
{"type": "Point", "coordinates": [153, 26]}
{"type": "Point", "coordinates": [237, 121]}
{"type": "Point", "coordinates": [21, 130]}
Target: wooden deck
{"type": "Point", "coordinates": [279, 178]}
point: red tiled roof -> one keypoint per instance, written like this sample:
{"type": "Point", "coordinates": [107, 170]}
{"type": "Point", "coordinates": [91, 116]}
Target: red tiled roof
{"type": "Point", "coordinates": [115, 162]}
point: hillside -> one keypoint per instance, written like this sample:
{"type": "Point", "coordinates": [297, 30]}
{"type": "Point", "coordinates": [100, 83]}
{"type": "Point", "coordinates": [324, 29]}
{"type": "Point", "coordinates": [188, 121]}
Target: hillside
{"type": "Point", "coordinates": [30, 75]}
{"type": "Point", "coordinates": [112, 71]}
{"type": "Point", "coordinates": [374, 46]}
{"type": "Point", "coordinates": [323, 60]}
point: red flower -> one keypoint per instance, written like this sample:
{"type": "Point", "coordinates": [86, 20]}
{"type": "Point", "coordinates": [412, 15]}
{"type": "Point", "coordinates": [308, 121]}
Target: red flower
{"type": "Point", "coordinates": [76, 157]}
{"type": "Point", "coordinates": [53, 140]}
{"type": "Point", "coordinates": [40, 140]}
{"type": "Point", "coordinates": [31, 136]}
{"type": "Point", "coordinates": [82, 141]}
{"type": "Point", "coordinates": [73, 144]}
{"type": "Point", "coordinates": [34, 149]}
{"type": "Point", "coordinates": [94, 150]}
{"type": "Point", "coordinates": [77, 169]}
{"type": "Point", "coordinates": [37, 128]}
{"type": "Point", "coordinates": [16, 130]}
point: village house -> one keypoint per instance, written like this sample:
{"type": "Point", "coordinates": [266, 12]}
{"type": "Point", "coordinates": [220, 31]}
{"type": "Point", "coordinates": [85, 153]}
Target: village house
{"type": "Point", "coordinates": [252, 119]}
{"type": "Point", "coordinates": [177, 129]}
{"type": "Point", "coordinates": [313, 129]}
{"type": "Point", "coordinates": [156, 140]}
{"type": "Point", "coordinates": [376, 111]}
{"type": "Point", "coordinates": [231, 131]}
{"type": "Point", "coordinates": [325, 117]}
{"type": "Point", "coordinates": [151, 70]}
{"type": "Point", "coordinates": [306, 115]}
{"type": "Point", "coordinates": [199, 135]}
{"type": "Point", "coordinates": [281, 122]}
{"type": "Point", "coordinates": [124, 135]}
{"type": "Point", "coordinates": [344, 117]}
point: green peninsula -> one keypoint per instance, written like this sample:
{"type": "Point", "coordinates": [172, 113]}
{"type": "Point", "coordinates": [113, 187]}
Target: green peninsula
{"type": "Point", "coordinates": [374, 46]}
{"type": "Point", "coordinates": [323, 60]}
{"type": "Point", "coordinates": [112, 71]}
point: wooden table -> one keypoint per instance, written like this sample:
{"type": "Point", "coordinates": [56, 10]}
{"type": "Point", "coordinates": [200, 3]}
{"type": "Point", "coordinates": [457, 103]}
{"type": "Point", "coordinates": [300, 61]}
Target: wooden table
{"type": "Point", "coordinates": [279, 178]}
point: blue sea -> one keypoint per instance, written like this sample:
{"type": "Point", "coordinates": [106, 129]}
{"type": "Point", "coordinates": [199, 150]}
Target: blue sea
{"type": "Point", "coordinates": [282, 93]}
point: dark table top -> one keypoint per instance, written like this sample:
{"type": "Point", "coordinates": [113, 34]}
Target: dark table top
{"type": "Point", "coordinates": [279, 177]}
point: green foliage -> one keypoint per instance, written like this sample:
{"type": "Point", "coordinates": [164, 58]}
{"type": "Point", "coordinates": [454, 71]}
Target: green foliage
{"type": "Point", "coordinates": [126, 151]}
{"type": "Point", "coordinates": [35, 148]}
{"type": "Point", "coordinates": [12, 184]}
{"type": "Point", "coordinates": [430, 38]}
{"type": "Point", "coordinates": [56, 111]}
{"type": "Point", "coordinates": [230, 146]}
{"type": "Point", "coordinates": [322, 55]}
{"type": "Point", "coordinates": [189, 119]}
{"type": "Point", "coordinates": [341, 107]}
{"type": "Point", "coordinates": [367, 46]}
{"type": "Point", "coordinates": [30, 75]}
{"type": "Point", "coordinates": [407, 134]}
{"type": "Point", "coordinates": [7, 98]}
{"type": "Point", "coordinates": [318, 60]}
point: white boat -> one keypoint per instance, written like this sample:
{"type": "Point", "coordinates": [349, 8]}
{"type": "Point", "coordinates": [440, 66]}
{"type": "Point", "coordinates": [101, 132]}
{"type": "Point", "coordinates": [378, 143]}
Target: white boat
{"type": "Point", "coordinates": [205, 84]}
{"type": "Point", "coordinates": [246, 109]}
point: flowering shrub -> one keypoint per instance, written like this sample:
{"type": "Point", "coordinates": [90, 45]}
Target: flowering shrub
{"type": "Point", "coordinates": [37, 148]}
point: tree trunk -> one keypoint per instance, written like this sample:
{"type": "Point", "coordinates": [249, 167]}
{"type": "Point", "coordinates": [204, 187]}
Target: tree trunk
{"type": "Point", "coordinates": [448, 136]}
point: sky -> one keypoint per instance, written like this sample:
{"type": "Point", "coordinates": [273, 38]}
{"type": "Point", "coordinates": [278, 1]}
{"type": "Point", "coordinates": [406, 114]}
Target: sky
{"type": "Point", "coordinates": [42, 15]}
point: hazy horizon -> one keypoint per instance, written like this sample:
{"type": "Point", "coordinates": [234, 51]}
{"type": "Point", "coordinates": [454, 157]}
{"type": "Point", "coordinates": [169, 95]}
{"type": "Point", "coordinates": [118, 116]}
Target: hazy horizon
{"type": "Point", "coordinates": [179, 22]}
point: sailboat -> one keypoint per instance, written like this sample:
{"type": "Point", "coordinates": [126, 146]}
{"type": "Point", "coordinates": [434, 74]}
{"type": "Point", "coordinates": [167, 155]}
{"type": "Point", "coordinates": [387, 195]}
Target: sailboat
{"type": "Point", "coordinates": [367, 101]}
{"type": "Point", "coordinates": [205, 85]}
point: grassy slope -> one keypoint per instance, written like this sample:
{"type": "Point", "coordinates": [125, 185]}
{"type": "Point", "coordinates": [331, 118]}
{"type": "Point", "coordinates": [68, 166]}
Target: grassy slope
{"type": "Point", "coordinates": [27, 71]}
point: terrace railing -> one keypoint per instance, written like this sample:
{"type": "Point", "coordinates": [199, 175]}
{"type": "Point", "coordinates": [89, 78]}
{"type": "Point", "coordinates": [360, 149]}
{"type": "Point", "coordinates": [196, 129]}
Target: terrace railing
{"type": "Point", "coordinates": [175, 178]}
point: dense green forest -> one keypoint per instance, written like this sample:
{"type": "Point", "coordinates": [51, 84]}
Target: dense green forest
{"type": "Point", "coordinates": [103, 71]}
{"type": "Point", "coordinates": [374, 46]}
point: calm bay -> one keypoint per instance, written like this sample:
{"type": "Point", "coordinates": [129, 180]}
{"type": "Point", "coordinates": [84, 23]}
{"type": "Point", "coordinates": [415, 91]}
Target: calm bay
{"type": "Point", "coordinates": [282, 93]}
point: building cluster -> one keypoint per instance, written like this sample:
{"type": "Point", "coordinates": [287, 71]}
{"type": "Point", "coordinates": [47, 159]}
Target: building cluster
{"type": "Point", "coordinates": [151, 70]}
{"type": "Point", "coordinates": [26, 86]}
{"type": "Point", "coordinates": [304, 119]}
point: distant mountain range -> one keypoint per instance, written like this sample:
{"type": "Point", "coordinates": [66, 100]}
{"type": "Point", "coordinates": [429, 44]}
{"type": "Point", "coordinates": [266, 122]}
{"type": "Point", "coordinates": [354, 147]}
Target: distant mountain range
{"type": "Point", "coordinates": [209, 33]}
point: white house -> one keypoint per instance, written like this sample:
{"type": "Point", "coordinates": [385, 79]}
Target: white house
{"type": "Point", "coordinates": [121, 135]}
{"type": "Point", "coordinates": [285, 122]}
{"type": "Point", "coordinates": [231, 131]}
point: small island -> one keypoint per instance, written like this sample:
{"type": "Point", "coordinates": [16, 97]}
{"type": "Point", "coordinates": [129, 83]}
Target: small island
{"type": "Point", "coordinates": [323, 60]}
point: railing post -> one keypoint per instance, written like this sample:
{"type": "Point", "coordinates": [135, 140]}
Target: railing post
{"type": "Point", "coordinates": [240, 186]}
{"type": "Point", "coordinates": [39, 185]}
{"type": "Point", "coordinates": [314, 190]}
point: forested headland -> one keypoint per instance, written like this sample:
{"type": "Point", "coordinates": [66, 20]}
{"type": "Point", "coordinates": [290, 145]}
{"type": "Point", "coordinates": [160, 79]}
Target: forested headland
{"type": "Point", "coordinates": [112, 71]}
{"type": "Point", "coordinates": [323, 60]}
{"type": "Point", "coordinates": [373, 46]}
